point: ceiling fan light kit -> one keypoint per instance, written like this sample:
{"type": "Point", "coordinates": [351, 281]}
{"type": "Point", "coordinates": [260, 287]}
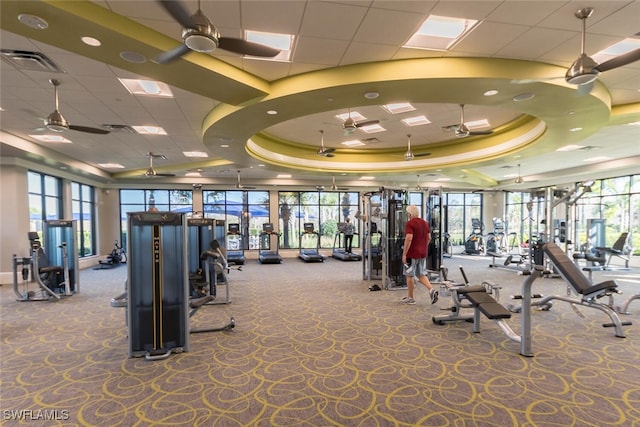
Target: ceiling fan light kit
{"type": "Point", "coordinates": [200, 35]}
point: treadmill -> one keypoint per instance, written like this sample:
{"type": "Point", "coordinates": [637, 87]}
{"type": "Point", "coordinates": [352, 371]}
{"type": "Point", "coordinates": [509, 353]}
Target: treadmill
{"type": "Point", "coordinates": [338, 251]}
{"type": "Point", "coordinates": [235, 251]}
{"type": "Point", "coordinates": [310, 254]}
{"type": "Point", "coordinates": [267, 255]}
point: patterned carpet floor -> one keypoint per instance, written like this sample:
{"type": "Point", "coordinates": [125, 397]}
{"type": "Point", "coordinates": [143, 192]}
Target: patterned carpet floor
{"type": "Point", "coordinates": [313, 346]}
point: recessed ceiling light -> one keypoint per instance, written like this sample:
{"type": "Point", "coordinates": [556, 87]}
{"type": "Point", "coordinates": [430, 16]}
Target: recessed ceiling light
{"type": "Point", "coordinates": [576, 129]}
{"type": "Point", "coordinates": [111, 165]}
{"type": "Point", "coordinates": [91, 41]}
{"type": "Point", "coordinates": [283, 175]}
{"type": "Point", "coordinates": [147, 87]}
{"type": "Point", "coordinates": [447, 179]}
{"type": "Point", "coordinates": [371, 95]}
{"type": "Point", "coordinates": [570, 147]}
{"type": "Point", "coordinates": [597, 159]}
{"type": "Point", "coordinates": [149, 130]}
{"type": "Point", "coordinates": [477, 123]}
{"type": "Point", "coordinates": [416, 121]}
{"type": "Point", "coordinates": [224, 145]}
{"type": "Point", "coordinates": [490, 92]}
{"type": "Point", "coordinates": [195, 154]}
{"type": "Point", "coordinates": [372, 128]}
{"type": "Point", "coordinates": [282, 42]}
{"type": "Point", "coordinates": [353, 143]}
{"type": "Point", "coordinates": [400, 107]}
{"type": "Point", "coordinates": [367, 178]}
{"type": "Point", "coordinates": [193, 174]}
{"type": "Point", "coordinates": [272, 112]}
{"type": "Point", "coordinates": [33, 21]}
{"type": "Point", "coordinates": [357, 117]}
{"type": "Point", "coordinates": [440, 32]}
{"type": "Point", "coordinates": [524, 97]}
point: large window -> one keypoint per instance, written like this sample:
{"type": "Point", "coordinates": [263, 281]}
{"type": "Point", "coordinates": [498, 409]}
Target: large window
{"type": "Point", "coordinates": [145, 200]}
{"type": "Point", "coordinates": [83, 211]}
{"type": "Point", "coordinates": [461, 208]}
{"type": "Point", "coordinates": [323, 209]}
{"type": "Point", "coordinates": [248, 209]}
{"type": "Point", "coordinates": [616, 202]}
{"type": "Point", "coordinates": [45, 199]}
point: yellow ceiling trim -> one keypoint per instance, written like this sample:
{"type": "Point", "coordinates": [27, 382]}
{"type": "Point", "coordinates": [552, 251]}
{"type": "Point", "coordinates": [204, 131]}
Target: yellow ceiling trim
{"type": "Point", "coordinates": [224, 82]}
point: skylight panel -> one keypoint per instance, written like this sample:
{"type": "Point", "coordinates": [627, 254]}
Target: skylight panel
{"type": "Point", "coordinates": [354, 115]}
{"type": "Point", "coordinates": [147, 87]}
{"type": "Point", "coordinates": [353, 143]}
{"type": "Point", "coordinates": [397, 108]}
{"type": "Point", "coordinates": [440, 32]}
{"type": "Point", "coordinates": [282, 42]}
{"type": "Point", "coordinates": [372, 128]}
{"type": "Point", "coordinates": [620, 48]}
{"type": "Point", "coordinates": [149, 130]}
{"type": "Point", "coordinates": [416, 121]}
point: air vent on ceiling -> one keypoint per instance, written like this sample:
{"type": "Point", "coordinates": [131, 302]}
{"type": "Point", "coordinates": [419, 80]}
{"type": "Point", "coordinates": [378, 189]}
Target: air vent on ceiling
{"type": "Point", "coordinates": [30, 61]}
{"type": "Point", "coordinates": [588, 148]}
{"type": "Point", "coordinates": [119, 128]}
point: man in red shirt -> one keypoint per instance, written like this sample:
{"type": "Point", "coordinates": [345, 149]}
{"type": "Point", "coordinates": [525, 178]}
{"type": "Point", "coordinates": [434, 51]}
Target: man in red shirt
{"type": "Point", "coordinates": [414, 254]}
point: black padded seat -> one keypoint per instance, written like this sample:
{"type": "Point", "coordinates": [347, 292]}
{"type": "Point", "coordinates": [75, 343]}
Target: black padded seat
{"type": "Point", "coordinates": [572, 273]}
{"type": "Point", "coordinates": [471, 289]}
{"type": "Point", "coordinates": [488, 306]}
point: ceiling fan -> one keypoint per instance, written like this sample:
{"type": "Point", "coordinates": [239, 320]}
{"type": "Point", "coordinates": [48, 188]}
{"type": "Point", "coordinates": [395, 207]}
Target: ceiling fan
{"type": "Point", "coordinates": [462, 131]}
{"type": "Point", "coordinates": [200, 35]}
{"type": "Point", "coordinates": [585, 70]}
{"type": "Point", "coordinates": [409, 154]}
{"type": "Point", "coordinates": [349, 125]}
{"type": "Point", "coordinates": [334, 187]}
{"type": "Point", "coordinates": [57, 123]}
{"type": "Point", "coordinates": [324, 151]}
{"type": "Point", "coordinates": [151, 172]}
{"type": "Point", "coordinates": [242, 187]}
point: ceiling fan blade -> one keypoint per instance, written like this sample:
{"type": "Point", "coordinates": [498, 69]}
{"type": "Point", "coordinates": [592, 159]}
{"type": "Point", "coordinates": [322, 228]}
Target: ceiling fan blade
{"type": "Point", "coordinates": [246, 48]}
{"type": "Point", "coordinates": [177, 11]}
{"type": "Point", "coordinates": [329, 150]}
{"type": "Point", "coordinates": [585, 89]}
{"type": "Point", "coordinates": [480, 132]}
{"type": "Point", "coordinates": [422, 154]}
{"type": "Point", "coordinates": [171, 55]}
{"type": "Point", "coordinates": [367, 123]}
{"type": "Point", "coordinates": [619, 61]}
{"type": "Point", "coordinates": [88, 129]}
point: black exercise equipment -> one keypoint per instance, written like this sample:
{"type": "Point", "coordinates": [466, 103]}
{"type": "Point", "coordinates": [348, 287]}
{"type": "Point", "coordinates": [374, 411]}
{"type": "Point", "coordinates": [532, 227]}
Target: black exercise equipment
{"type": "Point", "coordinates": [474, 243]}
{"type": "Point", "coordinates": [117, 256]}
{"type": "Point", "coordinates": [621, 249]}
{"type": "Point", "coordinates": [268, 251]}
{"type": "Point", "coordinates": [235, 245]}
{"type": "Point", "coordinates": [52, 280]}
{"type": "Point", "coordinates": [588, 293]}
{"type": "Point", "coordinates": [341, 252]}
{"type": "Point", "coordinates": [310, 252]}
{"type": "Point", "coordinates": [158, 304]}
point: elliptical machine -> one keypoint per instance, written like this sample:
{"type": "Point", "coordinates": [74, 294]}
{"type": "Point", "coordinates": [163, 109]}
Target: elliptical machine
{"type": "Point", "coordinates": [474, 243]}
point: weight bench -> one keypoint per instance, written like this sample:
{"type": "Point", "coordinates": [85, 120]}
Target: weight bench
{"type": "Point", "coordinates": [484, 303]}
{"type": "Point", "coordinates": [587, 291]}
{"type": "Point", "coordinates": [619, 249]}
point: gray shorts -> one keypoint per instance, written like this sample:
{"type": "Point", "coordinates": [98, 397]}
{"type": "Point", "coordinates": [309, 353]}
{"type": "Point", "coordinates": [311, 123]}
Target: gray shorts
{"type": "Point", "coordinates": [418, 268]}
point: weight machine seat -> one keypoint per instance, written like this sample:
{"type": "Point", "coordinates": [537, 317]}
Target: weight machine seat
{"type": "Point", "coordinates": [487, 305]}
{"type": "Point", "coordinates": [619, 249]}
{"type": "Point", "coordinates": [574, 276]}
